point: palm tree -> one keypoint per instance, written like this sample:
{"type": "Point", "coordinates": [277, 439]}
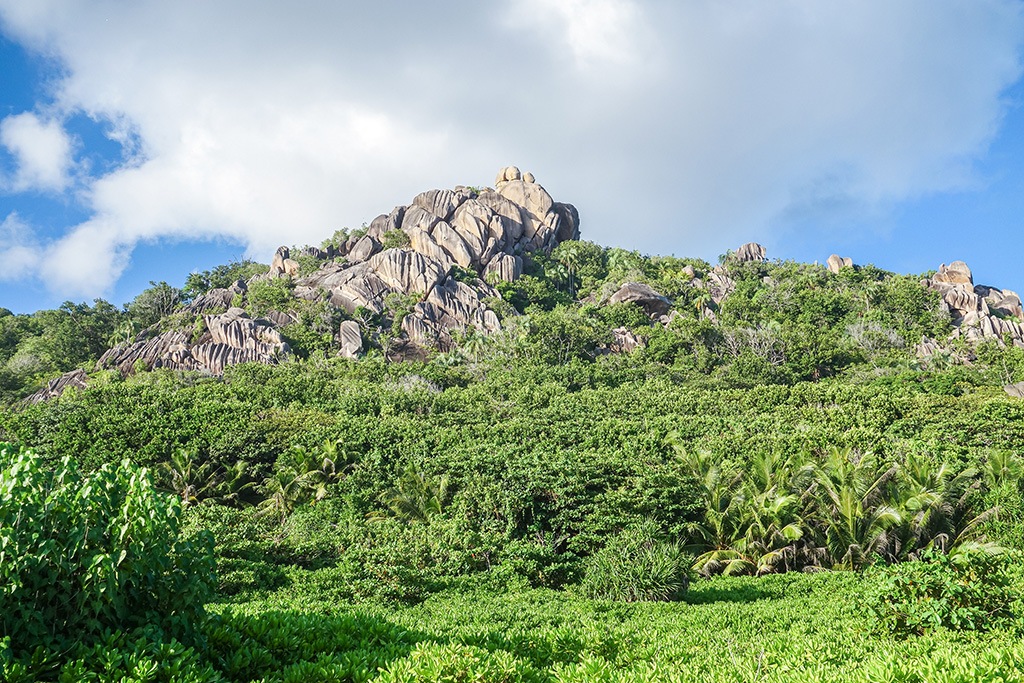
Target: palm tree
{"type": "Point", "coordinates": [854, 515]}
{"type": "Point", "coordinates": [416, 496]}
{"type": "Point", "coordinates": [190, 480]}
{"type": "Point", "coordinates": [303, 475]}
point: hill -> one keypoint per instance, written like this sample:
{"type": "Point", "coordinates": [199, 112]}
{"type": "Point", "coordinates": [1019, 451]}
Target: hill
{"type": "Point", "coordinates": [478, 437]}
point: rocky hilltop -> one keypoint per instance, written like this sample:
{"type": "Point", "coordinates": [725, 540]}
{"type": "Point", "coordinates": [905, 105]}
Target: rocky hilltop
{"type": "Point", "coordinates": [420, 277]}
{"type": "Point", "coordinates": [446, 250]}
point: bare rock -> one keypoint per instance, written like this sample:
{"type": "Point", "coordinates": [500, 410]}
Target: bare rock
{"type": "Point", "coordinates": [440, 203]}
{"type": "Point", "coordinates": [624, 341]}
{"type": "Point", "coordinates": [351, 339]}
{"type": "Point", "coordinates": [751, 251]}
{"type": "Point", "coordinates": [956, 273]}
{"type": "Point", "coordinates": [504, 268]}
{"type": "Point", "coordinates": [363, 249]}
{"type": "Point", "coordinates": [719, 285]}
{"type": "Point", "coordinates": [1015, 390]}
{"type": "Point", "coordinates": [836, 263]}
{"type": "Point", "coordinates": [471, 221]}
{"type": "Point", "coordinates": [385, 223]}
{"type": "Point", "coordinates": [452, 243]}
{"type": "Point", "coordinates": [534, 201]}
{"type": "Point", "coordinates": [407, 271]}
{"type": "Point", "coordinates": [424, 243]}
{"type": "Point", "coordinates": [277, 264]}
{"type": "Point", "coordinates": [509, 213]}
{"type": "Point", "coordinates": [55, 387]}
{"type": "Point", "coordinates": [644, 296]}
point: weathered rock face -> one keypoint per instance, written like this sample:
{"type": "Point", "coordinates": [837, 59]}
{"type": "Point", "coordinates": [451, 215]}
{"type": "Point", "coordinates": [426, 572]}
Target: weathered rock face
{"type": "Point", "coordinates": [978, 311]}
{"type": "Point", "coordinates": [644, 296]}
{"type": "Point", "coordinates": [56, 387]}
{"type": "Point", "coordinates": [836, 263]}
{"type": "Point", "coordinates": [956, 273]}
{"type": "Point", "coordinates": [751, 251]}
{"type": "Point", "coordinates": [351, 339]}
{"type": "Point", "coordinates": [484, 232]}
{"type": "Point", "coordinates": [227, 339]}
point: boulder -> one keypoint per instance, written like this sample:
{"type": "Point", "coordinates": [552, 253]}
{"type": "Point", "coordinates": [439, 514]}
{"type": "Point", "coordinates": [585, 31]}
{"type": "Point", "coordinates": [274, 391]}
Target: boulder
{"type": "Point", "coordinates": [471, 221]}
{"type": "Point", "coordinates": [836, 263]}
{"type": "Point", "coordinates": [440, 203]}
{"type": "Point", "coordinates": [956, 273]}
{"type": "Point", "coordinates": [624, 341]}
{"type": "Point", "coordinates": [503, 268]}
{"type": "Point", "coordinates": [350, 339]}
{"type": "Point", "coordinates": [1015, 390]}
{"type": "Point", "coordinates": [751, 251]}
{"type": "Point", "coordinates": [55, 387]}
{"type": "Point", "coordinates": [451, 243]}
{"type": "Point", "coordinates": [719, 285]}
{"type": "Point", "coordinates": [534, 201]}
{"type": "Point", "coordinates": [385, 223]}
{"type": "Point", "coordinates": [510, 215]}
{"type": "Point", "coordinates": [364, 248]}
{"type": "Point", "coordinates": [644, 296]}
{"type": "Point", "coordinates": [406, 271]}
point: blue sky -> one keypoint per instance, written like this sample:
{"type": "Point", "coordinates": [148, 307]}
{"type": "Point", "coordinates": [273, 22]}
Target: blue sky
{"type": "Point", "coordinates": [142, 141]}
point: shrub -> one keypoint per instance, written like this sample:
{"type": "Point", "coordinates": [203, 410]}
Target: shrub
{"type": "Point", "coordinates": [638, 565]}
{"type": "Point", "coordinates": [81, 554]}
{"type": "Point", "coordinates": [964, 591]}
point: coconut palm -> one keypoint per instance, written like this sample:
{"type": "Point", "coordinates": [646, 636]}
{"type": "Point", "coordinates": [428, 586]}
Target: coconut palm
{"type": "Point", "coordinates": [189, 479]}
{"type": "Point", "coordinates": [416, 496]}
{"type": "Point", "coordinates": [854, 514]}
{"type": "Point", "coordinates": [303, 476]}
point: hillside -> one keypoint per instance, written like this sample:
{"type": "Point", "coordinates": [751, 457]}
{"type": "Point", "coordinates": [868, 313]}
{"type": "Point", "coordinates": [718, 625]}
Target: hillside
{"type": "Point", "coordinates": [495, 448]}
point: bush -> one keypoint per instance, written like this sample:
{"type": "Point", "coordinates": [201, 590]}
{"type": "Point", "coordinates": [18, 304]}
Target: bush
{"type": "Point", "coordinates": [637, 565]}
{"type": "Point", "coordinates": [964, 591]}
{"type": "Point", "coordinates": [81, 554]}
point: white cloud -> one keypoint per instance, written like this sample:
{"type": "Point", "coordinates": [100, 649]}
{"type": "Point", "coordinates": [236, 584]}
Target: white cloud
{"type": "Point", "coordinates": [686, 127]}
{"type": "Point", "coordinates": [597, 33]}
{"type": "Point", "coordinates": [42, 151]}
{"type": "Point", "coordinates": [19, 252]}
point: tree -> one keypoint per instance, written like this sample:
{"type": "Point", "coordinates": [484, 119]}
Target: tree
{"type": "Point", "coordinates": [153, 304]}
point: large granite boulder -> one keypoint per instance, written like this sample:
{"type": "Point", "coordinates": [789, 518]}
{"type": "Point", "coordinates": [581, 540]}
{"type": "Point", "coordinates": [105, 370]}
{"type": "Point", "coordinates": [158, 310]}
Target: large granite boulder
{"type": "Point", "coordinates": [55, 387]}
{"type": "Point", "coordinates": [642, 295]}
{"type": "Point", "coordinates": [836, 263]}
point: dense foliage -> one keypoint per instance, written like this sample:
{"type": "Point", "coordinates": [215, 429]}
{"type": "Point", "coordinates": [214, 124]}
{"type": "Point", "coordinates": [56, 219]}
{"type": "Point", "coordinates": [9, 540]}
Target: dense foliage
{"type": "Point", "coordinates": [83, 554]}
{"type": "Point", "coordinates": [510, 507]}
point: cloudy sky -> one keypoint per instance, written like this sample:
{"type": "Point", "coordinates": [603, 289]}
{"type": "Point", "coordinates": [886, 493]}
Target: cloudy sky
{"type": "Point", "coordinates": [143, 140]}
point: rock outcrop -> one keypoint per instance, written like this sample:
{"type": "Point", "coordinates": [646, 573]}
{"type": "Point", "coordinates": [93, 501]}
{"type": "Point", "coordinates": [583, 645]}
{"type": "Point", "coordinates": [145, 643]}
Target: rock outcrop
{"type": "Point", "coordinates": [751, 251]}
{"type": "Point", "coordinates": [485, 232]}
{"type": "Point", "coordinates": [227, 339]}
{"type": "Point", "coordinates": [350, 339]}
{"type": "Point", "coordinates": [978, 311]}
{"type": "Point", "coordinates": [56, 387]}
{"type": "Point", "coordinates": [644, 296]}
{"type": "Point", "coordinates": [836, 263]}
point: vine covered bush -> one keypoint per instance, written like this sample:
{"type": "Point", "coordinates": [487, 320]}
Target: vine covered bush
{"type": "Point", "coordinates": [968, 590]}
{"type": "Point", "coordinates": [85, 554]}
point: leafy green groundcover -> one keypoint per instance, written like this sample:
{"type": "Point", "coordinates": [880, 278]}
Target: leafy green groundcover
{"type": "Point", "coordinates": [779, 628]}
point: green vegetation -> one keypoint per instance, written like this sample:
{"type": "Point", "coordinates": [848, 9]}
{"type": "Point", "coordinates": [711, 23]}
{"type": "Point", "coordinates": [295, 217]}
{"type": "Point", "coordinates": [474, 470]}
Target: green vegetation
{"type": "Point", "coordinates": [773, 486]}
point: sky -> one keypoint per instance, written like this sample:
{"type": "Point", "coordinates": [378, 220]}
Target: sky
{"type": "Point", "coordinates": [141, 141]}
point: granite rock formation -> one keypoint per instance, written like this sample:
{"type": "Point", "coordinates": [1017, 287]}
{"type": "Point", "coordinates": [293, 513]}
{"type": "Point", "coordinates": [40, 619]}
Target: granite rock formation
{"type": "Point", "coordinates": [978, 311]}
{"type": "Point", "coordinates": [229, 338]}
